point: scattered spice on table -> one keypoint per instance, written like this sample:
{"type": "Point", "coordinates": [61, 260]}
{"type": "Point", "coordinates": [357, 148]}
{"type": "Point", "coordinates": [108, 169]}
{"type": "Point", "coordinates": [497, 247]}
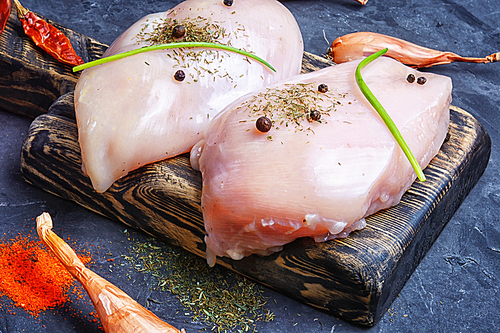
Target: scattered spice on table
{"type": "Point", "coordinates": [4, 13]}
{"type": "Point", "coordinates": [47, 37]}
{"type": "Point", "coordinates": [32, 277]}
{"type": "Point", "coordinates": [119, 313]}
{"type": "Point", "coordinates": [224, 301]}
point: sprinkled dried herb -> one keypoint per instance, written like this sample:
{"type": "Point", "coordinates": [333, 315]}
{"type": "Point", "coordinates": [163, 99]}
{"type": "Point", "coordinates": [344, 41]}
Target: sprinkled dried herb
{"type": "Point", "coordinates": [223, 300]}
{"type": "Point", "coordinates": [179, 46]}
{"type": "Point", "coordinates": [199, 29]}
{"type": "Point", "coordinates": [195, 43]}
{"type": "Point", "coordinates": [293, 105]}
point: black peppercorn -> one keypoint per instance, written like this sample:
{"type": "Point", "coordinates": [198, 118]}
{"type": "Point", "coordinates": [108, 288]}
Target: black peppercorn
{"type": "Point", "coordinates": [410, 78]}
{"type": "Point", "coordinates": [179, 75]}
{"type": "Point", "coordinates": [263, 124]}
{"type": "Point", "coordinates": [421, 80]}
{"type": "Point", "coordinates": [178, 31]}
{"type": "Point", "coordinates": [315, 115]}
{"type": "Point", "coordinates": [323, 88]}
{"type": "Point", "coordinates": [228, 2]}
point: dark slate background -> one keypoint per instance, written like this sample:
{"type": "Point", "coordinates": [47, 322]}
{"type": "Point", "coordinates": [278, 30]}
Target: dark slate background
{"type": "Point", "coordinates": [456, 286]}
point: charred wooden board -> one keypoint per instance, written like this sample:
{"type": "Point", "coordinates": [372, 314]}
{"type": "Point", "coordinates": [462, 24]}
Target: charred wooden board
{"type": "Point", "coordinates": [355, 279]}
{"type": "Point", "coordinates": [30, 79]}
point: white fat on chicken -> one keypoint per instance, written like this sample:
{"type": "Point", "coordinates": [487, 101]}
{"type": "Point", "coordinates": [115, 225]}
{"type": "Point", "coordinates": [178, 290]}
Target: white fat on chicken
{"type": "Point", "coordinates": [315, 178]}
{"type": "Point", "coordinates": [133, 111]}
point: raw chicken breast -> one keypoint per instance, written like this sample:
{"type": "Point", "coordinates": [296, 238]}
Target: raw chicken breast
{"type": "Point", "coordinates": [308, 176]}
{"type": "Point", "coordinates": [133, 111]}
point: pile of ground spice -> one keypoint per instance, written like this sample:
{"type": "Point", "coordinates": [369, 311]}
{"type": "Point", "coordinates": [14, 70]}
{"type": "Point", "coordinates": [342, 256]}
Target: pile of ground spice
{"type": "Point", "coordinates": [32, 277]}
{"type": "Point", "coordinates": [223, 300]}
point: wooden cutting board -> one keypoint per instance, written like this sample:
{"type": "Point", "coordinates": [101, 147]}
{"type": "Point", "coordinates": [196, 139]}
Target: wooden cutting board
{"type": "Point", "coordinates": [355, 279]}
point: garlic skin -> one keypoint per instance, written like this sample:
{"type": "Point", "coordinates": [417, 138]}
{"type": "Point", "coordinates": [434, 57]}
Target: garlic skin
{"type": "Point", "coordinates": [361, 44]}
{"type": "Point", "coordinates": [316, 179]}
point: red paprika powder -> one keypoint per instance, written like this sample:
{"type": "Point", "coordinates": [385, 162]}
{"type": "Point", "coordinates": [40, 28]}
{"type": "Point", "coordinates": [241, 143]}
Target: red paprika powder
{"type": "Point", "coordinates": [32, 277]}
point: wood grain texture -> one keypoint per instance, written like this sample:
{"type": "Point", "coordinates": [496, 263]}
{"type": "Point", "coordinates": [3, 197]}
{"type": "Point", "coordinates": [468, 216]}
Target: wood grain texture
{"type": "Point", "coordinates": [30, 79]}
{"type": "Point", "coordinates": [355, 279]}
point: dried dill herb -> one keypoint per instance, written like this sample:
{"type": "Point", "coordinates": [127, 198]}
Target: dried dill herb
{"type": "Point", "coordinates": [199, 29]}
{"type": "Point", "coordinates": [201, 62]}
{"type": "Point", "coordinates": [224, 301]}
{"type": "Point", "coordinates": [293, 105]}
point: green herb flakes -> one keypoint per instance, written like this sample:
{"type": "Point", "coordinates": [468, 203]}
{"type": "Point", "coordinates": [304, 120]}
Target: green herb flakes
{"type": "Point", "coordinates": [202, 61]}
{"type": "Point", "coordinates": [224, 301]}
{"type": "Point", "coordinates": [199, 29]}
{"type": "Point", "coordinates": [293, 105]}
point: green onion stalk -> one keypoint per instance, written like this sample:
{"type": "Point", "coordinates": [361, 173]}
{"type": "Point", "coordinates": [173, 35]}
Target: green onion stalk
{"type": "Point", "coordinates": [171, 46]}
{"type": "Point", "coordinates": [383, 114]}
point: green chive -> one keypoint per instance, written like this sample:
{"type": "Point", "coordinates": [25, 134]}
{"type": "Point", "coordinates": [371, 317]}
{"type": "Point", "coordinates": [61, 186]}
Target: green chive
{"type": "Point", "coordinates": [383, 114]}
{"type": "Point", "coordinates": [171, 46]}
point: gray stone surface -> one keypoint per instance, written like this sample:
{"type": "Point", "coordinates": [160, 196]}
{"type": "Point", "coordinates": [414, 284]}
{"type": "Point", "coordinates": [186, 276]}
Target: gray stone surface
{"type": "Point", "coordinates": [456, 286]}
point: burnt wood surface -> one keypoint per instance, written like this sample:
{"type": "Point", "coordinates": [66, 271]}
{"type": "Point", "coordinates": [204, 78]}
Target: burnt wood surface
{"type": "Point", "coordinates": [30, 79]}
{"type": "Point", "coordinates": [355, 279]}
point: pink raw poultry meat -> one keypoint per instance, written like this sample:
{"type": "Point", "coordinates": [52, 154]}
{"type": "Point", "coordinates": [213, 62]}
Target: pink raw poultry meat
{"type": "Point", "coordinates": [317, 178]}
{"type": "Point", "coordinates": [134, 111]}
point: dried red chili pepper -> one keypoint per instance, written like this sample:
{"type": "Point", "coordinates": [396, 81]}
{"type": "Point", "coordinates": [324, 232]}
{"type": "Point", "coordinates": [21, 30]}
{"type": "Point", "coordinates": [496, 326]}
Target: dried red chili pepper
{"type": "Point", "coordinates": [47, 37]}
{"type": "Point", "coordinates": [4, 13]}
